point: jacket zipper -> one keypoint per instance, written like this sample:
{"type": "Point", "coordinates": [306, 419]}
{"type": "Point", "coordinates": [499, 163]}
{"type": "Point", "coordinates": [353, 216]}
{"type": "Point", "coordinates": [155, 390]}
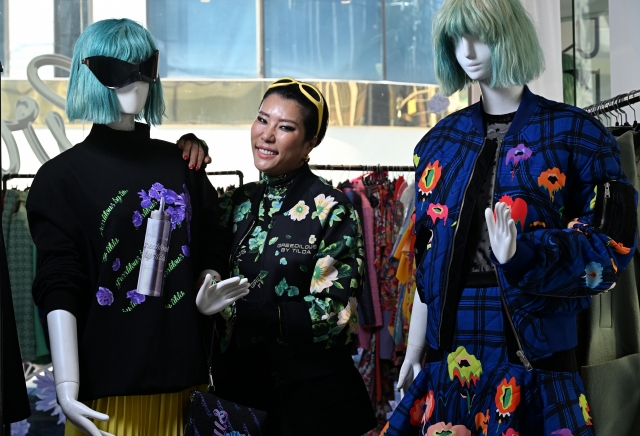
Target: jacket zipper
{"type": "Point", "coordinates": [455, 233]}
{"type": "Point", "coordinates": [607, 194]}
{"type": "Point", "coordinates": [240, 243]}
{"type": "Point", "coordinates": [519, 353]}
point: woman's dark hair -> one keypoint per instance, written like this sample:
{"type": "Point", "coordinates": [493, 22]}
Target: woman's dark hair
{"type": "Point", "coordinates": [309, 110]}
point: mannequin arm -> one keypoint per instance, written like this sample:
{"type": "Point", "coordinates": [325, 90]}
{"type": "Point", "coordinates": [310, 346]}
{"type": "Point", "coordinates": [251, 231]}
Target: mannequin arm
{"type": "Point", "coordinates": [66, 373]}
{"type": "Point", "coordinates": [415, 345]}
{"type": "Point", "coordinates": [215, 296]}
{"type": "Point", "coordinates": [194, 149]}
{"type": "Point", "coordinates": [502, 232]}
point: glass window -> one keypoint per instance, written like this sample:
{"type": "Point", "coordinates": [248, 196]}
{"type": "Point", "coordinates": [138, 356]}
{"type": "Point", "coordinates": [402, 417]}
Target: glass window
{"type": "Point", "coordinates": [2, 35]}
{"type": "Point", "coordinates": [204, 38]}
{"type": "Point", "coordinates": [585, 56]}
{"type": "Point", "coordinates": [408, 38]}
{"type": "Point", "coordinates": [323, 39]}
{"type": "Point", "coordinates": [71, 17]}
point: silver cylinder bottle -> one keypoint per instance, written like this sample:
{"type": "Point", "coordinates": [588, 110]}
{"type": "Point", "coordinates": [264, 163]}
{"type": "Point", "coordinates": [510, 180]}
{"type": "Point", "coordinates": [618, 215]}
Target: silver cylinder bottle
{"type": "Point", "coordinates": [155, 252]}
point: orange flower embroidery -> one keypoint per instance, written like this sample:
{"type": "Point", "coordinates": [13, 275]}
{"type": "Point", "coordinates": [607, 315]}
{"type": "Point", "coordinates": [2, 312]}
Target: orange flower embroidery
{"type": "Point", "coordinates": [507, 397]}
{"type": "Point", "coordinates": [429, 179]}
{"type": "Point", "coordinates": [422, 409]}
{"type": "Point", "coordinates": [552, 180]}
{"type": "Point", "coordinates": [482, 422]}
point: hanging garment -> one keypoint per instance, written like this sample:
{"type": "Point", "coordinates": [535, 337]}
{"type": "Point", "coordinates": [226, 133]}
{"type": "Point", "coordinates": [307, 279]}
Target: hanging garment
{"type": "Point", "coordinates": [610, 334]}
{"type": "Point", "coordinates": [20, 259]}
{"type": "Point", "coordinates": [14, 391]}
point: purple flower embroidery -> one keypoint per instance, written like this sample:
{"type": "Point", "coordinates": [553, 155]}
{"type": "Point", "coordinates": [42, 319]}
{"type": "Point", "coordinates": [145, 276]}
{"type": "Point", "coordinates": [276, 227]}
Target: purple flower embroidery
{"type": "Point", "coordinates": [177, 215]}
{"type": "Point", "coordinates": [187, 210]}
{"type": "Point", "coordinates": [170, 196]}
{"type": "Point", "coordinates": [137, 219]}
{"type": "Point", "coordinates": [104, 296]}
{"type": "Point", "coordinates": [146, 200]}
{"type": "Point", "coordinates": [517, 154]}
{"type": "Point", "coordinates": [135, 297]}
{"type": "Point", "coordinates": [185, 250]}
{"type": "Point", "coordinates": [116, 264]}
{"type": "Point", "coordinates": [157, 191]}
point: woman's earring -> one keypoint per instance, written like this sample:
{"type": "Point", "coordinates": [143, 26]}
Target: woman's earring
{"type": "Point", "coordinates": [306, 159]}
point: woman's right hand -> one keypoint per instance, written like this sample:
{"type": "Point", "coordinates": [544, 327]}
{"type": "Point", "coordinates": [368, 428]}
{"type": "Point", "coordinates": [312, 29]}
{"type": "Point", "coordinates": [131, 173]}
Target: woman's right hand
{"type": "Point", "coordinates": [76, 412]}
{"type": "Point", "coordinates": [195, 150]}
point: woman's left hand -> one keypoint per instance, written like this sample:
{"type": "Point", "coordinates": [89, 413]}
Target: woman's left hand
{"type": "Point", "coordinates": [195, 150]}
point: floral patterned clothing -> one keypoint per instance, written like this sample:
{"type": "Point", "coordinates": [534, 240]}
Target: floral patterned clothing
{"type": "Point", "coordinates": [478, 390]}
{"type": "Point", "coordinates": [299, 242]}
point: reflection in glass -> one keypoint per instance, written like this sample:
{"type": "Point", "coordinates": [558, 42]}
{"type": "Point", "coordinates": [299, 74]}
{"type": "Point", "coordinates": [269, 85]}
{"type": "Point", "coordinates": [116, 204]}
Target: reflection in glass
{"type": "Point", "coordinates": [323, 39]}
{"type": "Point", "coordinates": [204, 39]}
{"type": "Point", "coordinates": [585, 56]}
{"type": "Point", "coordinates": [408, 37]}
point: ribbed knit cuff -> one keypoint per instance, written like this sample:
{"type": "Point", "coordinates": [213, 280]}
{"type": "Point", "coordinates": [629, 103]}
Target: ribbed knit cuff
{"type": "Point", "coordinates": [60, 300]}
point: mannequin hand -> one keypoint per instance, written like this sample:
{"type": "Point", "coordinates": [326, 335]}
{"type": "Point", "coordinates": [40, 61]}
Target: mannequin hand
{"type": "Point", "coordinates": [214, 297]}
{"type": "Point", "coordinates": [78, 413]}
{"type": "Point", "coordinates": [502, 232]}
{"type": "Point", "coordinates": [194, 149]}
{"type": "Point", "coordinates": [411, 367]}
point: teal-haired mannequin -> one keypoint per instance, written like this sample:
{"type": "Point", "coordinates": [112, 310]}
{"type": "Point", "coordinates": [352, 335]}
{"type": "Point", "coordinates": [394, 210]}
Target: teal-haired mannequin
{"type": "Point", "coordinates": [118, 107]}
{"type": "Point", "coordinates": [501, 277]}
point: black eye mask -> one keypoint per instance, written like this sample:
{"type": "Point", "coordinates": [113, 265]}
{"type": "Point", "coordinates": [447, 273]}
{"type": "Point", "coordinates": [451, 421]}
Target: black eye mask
{"type": "Point", "coordinates": [115, 73]}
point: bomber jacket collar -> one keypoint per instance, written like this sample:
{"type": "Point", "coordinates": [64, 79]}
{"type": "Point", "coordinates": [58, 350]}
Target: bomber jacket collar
{"type": "Point", "coordinates": [299, 185]}
{"type": "Point", "coordinates": [524, 113]}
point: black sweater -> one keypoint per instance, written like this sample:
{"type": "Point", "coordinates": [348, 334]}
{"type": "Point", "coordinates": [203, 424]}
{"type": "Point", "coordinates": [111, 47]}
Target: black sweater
{"type": "Point", "coordinates": [88, 211]}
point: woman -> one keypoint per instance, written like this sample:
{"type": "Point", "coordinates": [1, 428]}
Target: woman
{"type": "Point", "coordinates": [286, 347]}
{"type": "Point", "coordinates": [502, 294]}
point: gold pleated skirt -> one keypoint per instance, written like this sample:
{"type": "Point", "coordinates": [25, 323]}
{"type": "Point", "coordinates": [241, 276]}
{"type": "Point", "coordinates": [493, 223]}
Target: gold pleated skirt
{"type": "Point", "coordinates": [140, 415]}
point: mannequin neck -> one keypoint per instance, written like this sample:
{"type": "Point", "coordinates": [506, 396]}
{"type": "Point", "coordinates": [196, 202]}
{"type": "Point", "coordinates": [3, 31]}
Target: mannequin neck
{"type": "Point", "coordinates": [500, 101]}
{"type": "Point", "coordinates": [126, 122]}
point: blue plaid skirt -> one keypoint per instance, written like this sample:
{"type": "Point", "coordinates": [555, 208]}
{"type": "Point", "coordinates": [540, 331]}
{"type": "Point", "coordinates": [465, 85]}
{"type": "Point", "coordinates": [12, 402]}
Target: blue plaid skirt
{"type": "Point", "coordinates": [476, 390]}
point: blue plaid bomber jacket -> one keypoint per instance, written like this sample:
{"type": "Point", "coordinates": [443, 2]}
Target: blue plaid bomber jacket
{"type": "Point", "coordinates": [558, 169]}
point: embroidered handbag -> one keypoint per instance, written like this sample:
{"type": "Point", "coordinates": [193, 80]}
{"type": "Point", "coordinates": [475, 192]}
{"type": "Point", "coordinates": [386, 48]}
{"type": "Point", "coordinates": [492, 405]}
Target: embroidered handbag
{"type": "Point", "coordinates": [208, 414]}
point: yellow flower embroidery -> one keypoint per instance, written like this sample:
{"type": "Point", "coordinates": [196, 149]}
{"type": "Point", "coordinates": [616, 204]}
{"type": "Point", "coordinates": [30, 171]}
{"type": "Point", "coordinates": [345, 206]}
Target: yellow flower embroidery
{"type": "Point", "coordinates": [323, 206]}
{"type": "Point", "coordinates": [323, 274]}
{"type": "Point", "coordinates": [299, 211]}
{"type": "Point", "coordinates": [349, 315]}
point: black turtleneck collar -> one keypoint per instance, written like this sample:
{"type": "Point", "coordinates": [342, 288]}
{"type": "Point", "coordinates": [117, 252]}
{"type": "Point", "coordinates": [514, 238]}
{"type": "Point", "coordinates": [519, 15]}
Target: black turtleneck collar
{"type": "Point", "coordinates": [102, 133]}
{"type": "Point", "coordinates": [284, 179]}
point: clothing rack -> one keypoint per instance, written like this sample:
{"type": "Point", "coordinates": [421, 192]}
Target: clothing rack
{"type": "Point", "coordinates": [614, 103]}
{"type": "Point", "coordinates": [228, 173]}
{"type": "Point", "coordinates": [7, 177]}
{"type": "Point", "coordinates": [376, 168]}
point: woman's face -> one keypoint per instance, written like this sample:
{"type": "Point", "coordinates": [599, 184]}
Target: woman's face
{"type": "Point", "coordinates": [277, 136]}
{"type": "Point", "coordinates": [474, 57]}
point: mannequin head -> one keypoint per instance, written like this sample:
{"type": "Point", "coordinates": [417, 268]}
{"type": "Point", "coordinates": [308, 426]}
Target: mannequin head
{"type": "Point", "coordinates": [132, 97]}
{"type": "Point", "coordinates": [501, 25]}
{"type": "Point", "coordinates": [90, 100]}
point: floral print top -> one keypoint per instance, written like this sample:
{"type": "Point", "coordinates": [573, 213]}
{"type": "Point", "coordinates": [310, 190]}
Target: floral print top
{"type": "Point", "coordinates": [299, 242]}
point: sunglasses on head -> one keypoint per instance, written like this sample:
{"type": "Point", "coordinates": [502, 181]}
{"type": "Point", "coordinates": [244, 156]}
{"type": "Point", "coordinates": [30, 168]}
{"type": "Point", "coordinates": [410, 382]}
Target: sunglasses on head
{"type": "Point", "coordinates": [115, 73]}
{"type": "Point", "coordinates": [318, 101]}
